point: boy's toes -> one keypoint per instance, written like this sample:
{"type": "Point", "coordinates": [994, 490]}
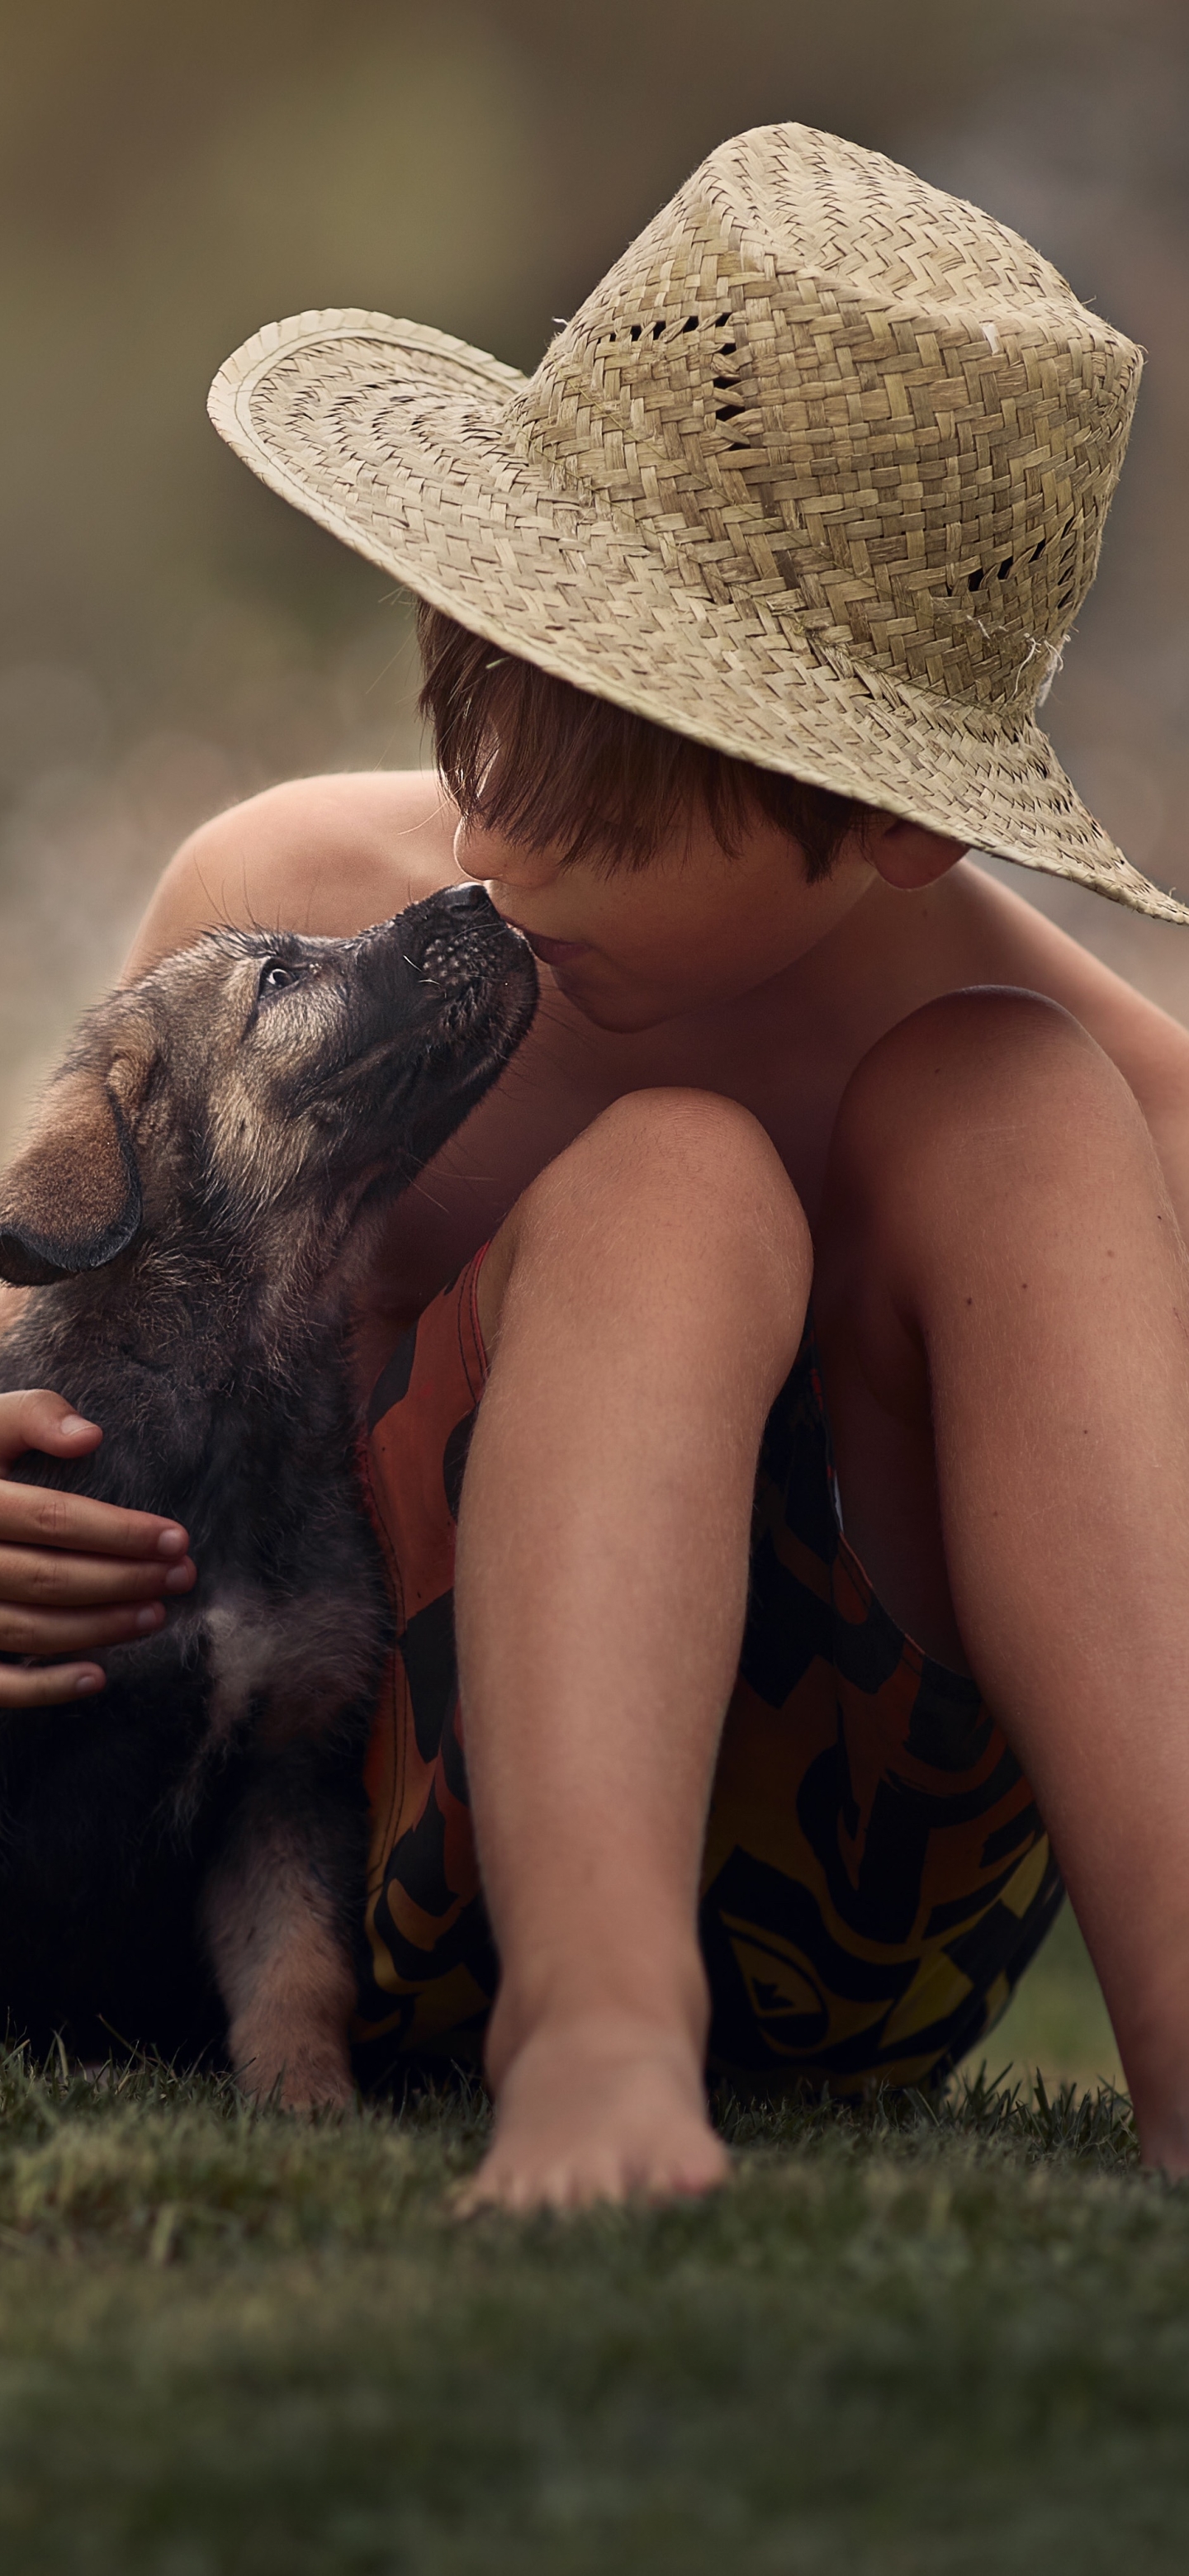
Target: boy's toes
{"type": "Point", "coordinates": [606, 2108]}
{"type": "Point", "coordinates": [522, 2175]}
{"type": "Point", "coordinates": [695, 2171]}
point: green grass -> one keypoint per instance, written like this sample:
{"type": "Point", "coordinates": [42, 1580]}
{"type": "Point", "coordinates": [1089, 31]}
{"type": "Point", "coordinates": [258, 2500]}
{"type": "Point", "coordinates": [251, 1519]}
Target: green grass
{"type": "Point", "coordinates": [951, 2340]}
{"type": "Point", "coordinates": [1057, 2018]}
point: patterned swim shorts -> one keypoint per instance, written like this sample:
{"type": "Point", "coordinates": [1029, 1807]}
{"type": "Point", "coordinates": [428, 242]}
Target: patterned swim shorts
{"type": "Point", "coordinates": [876, 1875]}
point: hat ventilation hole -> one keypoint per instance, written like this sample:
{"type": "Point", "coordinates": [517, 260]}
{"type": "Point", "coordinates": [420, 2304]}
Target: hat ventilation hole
{"type": "Point", "coordinates": [985, 572]}
{"type": "Point", "coordinates": [990, 572]}
{"type": "Point", "coordinates": [726, 385]}
{"type": "Point", "coordinates": [692, 322]}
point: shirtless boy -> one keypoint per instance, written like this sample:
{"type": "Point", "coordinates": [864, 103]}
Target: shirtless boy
{"type": "Point", "coordinates": [813, 481]}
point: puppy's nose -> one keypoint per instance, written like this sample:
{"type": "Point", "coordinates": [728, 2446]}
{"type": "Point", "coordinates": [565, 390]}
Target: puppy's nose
{"type": "Point", "coordinates": [465, 898]}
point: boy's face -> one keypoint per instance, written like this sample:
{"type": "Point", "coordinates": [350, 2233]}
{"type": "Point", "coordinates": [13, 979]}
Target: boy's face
{"type": "Point", "coordinates": [697, 927]}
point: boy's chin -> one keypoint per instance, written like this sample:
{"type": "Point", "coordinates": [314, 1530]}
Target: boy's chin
{"type": "Point", "coordinates": [628, 1014]}
{"type": "Point", "coordinates": [627, 1009]}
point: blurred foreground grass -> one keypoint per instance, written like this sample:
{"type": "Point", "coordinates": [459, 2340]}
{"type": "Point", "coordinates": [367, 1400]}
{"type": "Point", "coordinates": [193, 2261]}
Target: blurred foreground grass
{"type": "Point", "coordinates": [915, 2339]}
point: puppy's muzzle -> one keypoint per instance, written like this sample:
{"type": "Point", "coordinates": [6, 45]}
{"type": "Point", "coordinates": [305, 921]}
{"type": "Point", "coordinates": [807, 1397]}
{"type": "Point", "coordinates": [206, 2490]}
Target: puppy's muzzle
{"type": "Point", "coordinates": [456, 947]}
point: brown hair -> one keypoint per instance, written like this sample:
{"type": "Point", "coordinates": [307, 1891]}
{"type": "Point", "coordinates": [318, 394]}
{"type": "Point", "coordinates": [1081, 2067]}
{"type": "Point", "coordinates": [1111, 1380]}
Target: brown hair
{"type": "Point", "coordinates": [577, 771]}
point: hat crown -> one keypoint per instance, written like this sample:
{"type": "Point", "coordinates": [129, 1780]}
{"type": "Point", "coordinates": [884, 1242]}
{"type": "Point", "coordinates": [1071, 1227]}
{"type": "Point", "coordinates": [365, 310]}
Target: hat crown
{"type": "Point", "coordinates": [820, 389]}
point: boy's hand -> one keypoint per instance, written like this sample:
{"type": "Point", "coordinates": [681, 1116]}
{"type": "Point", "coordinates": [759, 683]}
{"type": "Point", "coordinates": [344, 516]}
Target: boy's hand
{"type": "Point", "coordinates": [75, 1575]}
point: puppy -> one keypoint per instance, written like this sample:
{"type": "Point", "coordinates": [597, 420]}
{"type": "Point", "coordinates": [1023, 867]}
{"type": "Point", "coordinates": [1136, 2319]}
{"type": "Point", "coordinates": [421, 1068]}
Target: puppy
{"type": "Point", "coordinates": [182, 1860]}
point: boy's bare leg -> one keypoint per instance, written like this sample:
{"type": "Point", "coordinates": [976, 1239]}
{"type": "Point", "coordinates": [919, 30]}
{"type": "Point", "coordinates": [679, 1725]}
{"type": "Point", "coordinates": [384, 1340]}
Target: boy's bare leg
{"type": "Point", "coordinates": [997, 1243]}
{"type": "Point", "coordinates": [999, 1274]}
{"type": "Point", "coordinates": [645, 1301]}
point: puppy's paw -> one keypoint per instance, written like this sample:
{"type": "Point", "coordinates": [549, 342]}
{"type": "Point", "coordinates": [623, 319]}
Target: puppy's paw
{"type": "Point", "coordinates": [316, 2088]}
{"type": "Point", "coordinates": [304, 2075]}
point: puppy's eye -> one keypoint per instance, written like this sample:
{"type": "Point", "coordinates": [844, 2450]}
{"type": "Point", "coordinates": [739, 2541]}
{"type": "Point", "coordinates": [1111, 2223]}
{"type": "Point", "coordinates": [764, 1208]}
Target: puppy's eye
{"type": "Point", "coordinates": [274, 976]}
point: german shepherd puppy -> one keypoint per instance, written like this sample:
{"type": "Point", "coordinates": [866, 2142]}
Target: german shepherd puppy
{"type": "Point", "coordinates": [182, 1860]}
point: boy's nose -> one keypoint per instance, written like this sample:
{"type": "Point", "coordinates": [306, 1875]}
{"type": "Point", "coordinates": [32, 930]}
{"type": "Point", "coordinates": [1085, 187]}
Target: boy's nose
{"type": "Point", "coordinates": [493, 860]}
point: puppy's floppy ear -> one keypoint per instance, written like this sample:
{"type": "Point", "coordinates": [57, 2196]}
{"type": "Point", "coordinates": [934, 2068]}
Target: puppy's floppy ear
{"type": "Point", "coordinates": [71, 1201]}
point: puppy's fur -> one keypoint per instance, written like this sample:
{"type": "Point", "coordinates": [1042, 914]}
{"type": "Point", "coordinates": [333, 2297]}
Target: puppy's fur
{"type": "Point", "coordinates": [191, 1212]}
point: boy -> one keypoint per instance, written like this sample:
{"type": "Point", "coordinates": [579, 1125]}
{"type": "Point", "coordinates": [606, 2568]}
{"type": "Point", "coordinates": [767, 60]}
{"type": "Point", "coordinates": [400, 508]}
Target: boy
{"type": "Point", "coordinates": [736, 617]}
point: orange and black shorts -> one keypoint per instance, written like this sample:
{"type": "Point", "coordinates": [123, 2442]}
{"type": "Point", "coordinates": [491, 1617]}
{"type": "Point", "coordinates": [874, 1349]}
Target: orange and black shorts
{"type": "Point", "coordinates": [876, 1875]}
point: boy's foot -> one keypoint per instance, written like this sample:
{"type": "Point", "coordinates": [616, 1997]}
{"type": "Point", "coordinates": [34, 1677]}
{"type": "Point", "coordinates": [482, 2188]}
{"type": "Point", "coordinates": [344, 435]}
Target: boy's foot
{"type": "Point", "coordinates": [605, 2108]}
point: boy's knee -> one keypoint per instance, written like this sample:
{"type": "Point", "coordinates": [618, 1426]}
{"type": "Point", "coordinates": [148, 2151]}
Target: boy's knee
{"type": "Point", "coordinates": [685, 1134]}
{"type": "Point", "coordinates": [673, 1152]}
{"type": "Point", "coordinates": [986, 1127]}
{"type": "Point", "coordinates": [982, 1083]}
{"type": "Point", "coordinates": [687, 1177]}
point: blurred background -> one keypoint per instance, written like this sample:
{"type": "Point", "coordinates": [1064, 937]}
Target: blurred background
{"type": "Point", "coordinates": [172, 637]}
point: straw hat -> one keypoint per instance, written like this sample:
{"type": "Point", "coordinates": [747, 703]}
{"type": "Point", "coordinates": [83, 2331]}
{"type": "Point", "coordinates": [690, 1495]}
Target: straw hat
{"type": "Point", "coordinates": [817, 475]}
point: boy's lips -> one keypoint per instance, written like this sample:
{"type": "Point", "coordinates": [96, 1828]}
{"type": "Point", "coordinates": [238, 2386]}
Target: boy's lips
{"type": "Point", "coordinates": [552, 952]}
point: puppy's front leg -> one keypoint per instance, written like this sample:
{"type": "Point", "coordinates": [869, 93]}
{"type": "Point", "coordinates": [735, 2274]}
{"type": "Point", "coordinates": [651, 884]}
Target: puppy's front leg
{"type": "Point", "coordinates": [275, 1934]}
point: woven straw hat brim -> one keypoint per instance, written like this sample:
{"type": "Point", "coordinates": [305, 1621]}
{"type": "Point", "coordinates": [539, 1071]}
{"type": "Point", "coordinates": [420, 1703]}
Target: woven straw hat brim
{"type": "Point", "coordinates": [391, 436]}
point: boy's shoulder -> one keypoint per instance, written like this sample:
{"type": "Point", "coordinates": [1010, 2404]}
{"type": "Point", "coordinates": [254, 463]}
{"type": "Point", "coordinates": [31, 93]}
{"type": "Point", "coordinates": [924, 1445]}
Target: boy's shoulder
{"type": "Point", "coordinates": [357, 838]}
{"type": "Point", "coordinates": [326, 855]}
{"type": "Point", "coordinates": [989, 934]}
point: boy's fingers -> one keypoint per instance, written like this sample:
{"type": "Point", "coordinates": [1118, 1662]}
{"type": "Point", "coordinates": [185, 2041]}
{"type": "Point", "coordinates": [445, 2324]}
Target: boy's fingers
{"type": "Point", "coordinates": [41, 1518]}
{"type": "Point", "coordinates": [52, 1579]}
{"type": "Point", "coordinates": [36, 1418]}
{"type": "Point", "coordinates": [48, 1685]}
{"type": "Point", "coordinates": [74, 1632]}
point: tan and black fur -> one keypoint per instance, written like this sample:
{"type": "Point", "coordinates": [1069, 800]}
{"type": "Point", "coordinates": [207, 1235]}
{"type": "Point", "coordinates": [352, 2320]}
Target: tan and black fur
{"type": "Point", "coordinates": [182, 1858]}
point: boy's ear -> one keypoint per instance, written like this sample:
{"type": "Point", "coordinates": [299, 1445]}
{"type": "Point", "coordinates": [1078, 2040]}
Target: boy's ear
{"type": "Point", "coordinates": [71, 1201]}
{"type": "Point", "coordinates": [907, 856]}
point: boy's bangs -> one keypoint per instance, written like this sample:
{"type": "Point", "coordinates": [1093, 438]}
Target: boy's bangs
{"type": "Point", "coordinates": [551, 766]}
